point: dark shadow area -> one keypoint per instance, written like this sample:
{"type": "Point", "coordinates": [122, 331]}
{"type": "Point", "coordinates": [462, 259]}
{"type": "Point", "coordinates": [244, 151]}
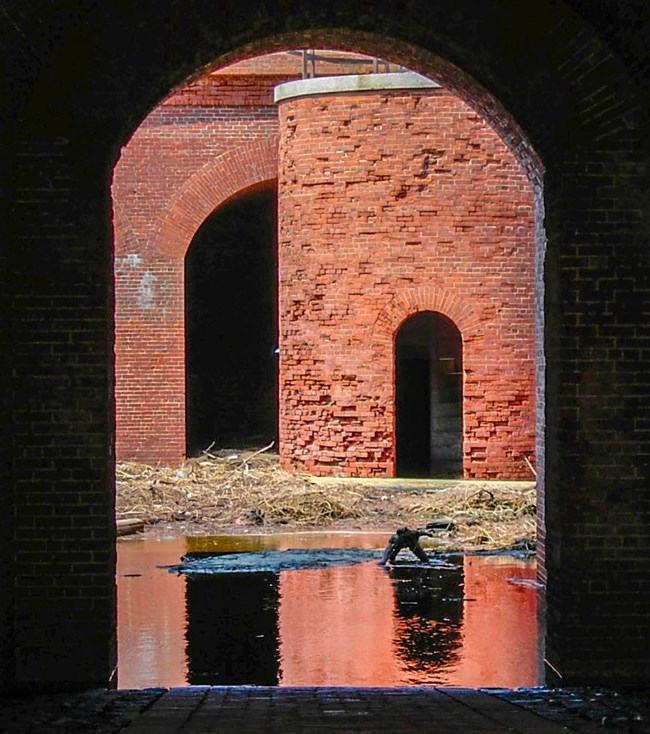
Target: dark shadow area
{"type": "Point", "coordinates": [232, 629]}
{"type": "Point", "coordinates": [231, 325]}
{"type": "Point", "coordinates": [428, 397]}
{"type": "Point", "coordinates": [429, 616]}
{"type": "Point", "coordinates": [413, 411]}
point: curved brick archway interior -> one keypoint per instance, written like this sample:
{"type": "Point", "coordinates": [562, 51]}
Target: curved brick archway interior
{"type": "Point", "coordinates": [188, 158]}
{"type": "Point", "coordinates": [576, 77]}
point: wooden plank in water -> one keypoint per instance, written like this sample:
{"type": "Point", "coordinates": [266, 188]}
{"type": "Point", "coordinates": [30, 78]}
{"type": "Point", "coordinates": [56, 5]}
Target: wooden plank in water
{"type": "Point", "coordinates": [129, 525]}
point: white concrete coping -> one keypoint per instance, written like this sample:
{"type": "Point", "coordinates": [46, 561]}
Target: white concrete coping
{"type": "Point", "coordinates": [352, 83]}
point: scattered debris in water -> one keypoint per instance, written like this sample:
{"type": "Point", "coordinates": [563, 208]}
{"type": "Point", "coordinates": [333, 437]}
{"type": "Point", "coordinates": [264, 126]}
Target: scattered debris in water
{"type": "Point", "coordinates": [273, 561]}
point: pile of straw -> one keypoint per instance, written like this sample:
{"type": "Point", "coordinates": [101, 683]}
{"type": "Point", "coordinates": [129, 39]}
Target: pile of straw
{"type": "Point", "coordinates": [228, 489]}
{"type": "Point", "coordinates": [238, 487]}
{"type": "Point", "coordinates": [483, 514]}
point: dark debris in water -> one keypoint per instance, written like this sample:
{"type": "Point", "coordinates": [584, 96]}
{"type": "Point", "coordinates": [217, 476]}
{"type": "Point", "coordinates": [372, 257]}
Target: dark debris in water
{"type": "Point", "coordinates": [274, 561]}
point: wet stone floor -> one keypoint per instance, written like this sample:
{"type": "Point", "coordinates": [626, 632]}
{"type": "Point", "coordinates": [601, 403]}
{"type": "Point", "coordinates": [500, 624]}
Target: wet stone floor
{"type": "Point", "coordinates": [275, 710]}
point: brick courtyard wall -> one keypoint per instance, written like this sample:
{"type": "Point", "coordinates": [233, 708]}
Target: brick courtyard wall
{"type": "Point", "coordinates": [391, 203]}
{"type": "Point", "coordinates": [206, 143]}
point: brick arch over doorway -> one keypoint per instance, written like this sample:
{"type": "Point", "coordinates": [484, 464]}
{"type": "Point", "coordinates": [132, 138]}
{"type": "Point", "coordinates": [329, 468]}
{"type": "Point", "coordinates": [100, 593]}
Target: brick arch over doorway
{"type": "Point", "coordinates": [232, 173]}
{"type": "Point", "coordinates": [150, 389]}
{"type": "Point", "coordinates": [474, 347]}
{"type": "Point", "coordinates": [412, 300]}
{"type": "Point", "coordinates": [575, 76]}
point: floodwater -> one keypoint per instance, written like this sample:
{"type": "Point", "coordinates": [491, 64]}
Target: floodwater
{"type": "Point", "coordinates": [474, 624]}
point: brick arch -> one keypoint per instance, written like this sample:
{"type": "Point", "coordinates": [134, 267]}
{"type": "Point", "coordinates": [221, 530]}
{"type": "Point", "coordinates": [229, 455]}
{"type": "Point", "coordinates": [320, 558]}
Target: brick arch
{"type": "Point", "coordinates": [156, 336]}
{"type": "Point", "coordinates": [558, 73]}
{"type": "Point", "coordinates": [414, 300]}
{"type": "Point", "coordinates": [229, 174]}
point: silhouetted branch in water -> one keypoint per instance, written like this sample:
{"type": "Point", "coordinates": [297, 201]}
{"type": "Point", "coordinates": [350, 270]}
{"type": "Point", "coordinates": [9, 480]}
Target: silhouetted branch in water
{"type": "Point", "coordinates": [406, 538]}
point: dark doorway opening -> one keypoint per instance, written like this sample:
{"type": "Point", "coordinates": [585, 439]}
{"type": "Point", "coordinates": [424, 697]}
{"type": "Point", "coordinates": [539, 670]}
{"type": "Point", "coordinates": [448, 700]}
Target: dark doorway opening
{"type": "Point", "coordinates": [428, 397]}
{"type": "Point", "coordinates": [231, 325]}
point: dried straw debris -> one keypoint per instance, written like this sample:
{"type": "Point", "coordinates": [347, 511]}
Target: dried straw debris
{"type": "Point", "coordinates": [231, 488]}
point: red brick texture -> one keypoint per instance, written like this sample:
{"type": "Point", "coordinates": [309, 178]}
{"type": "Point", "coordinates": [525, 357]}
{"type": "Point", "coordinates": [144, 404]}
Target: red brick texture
{"type": "Point", "coordinates": [391, 204]}
{"type": "Point", "coordinates": [575, 76]}
{"type": "Point", "coordinates": [189, 156]}
{"type": "Point", "coordinates": [442, 220]}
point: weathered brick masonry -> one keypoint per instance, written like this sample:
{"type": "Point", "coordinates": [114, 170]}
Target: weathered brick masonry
{"type": "Point", "coordinates": [409, 202]}
{"type": "Point", "coordinates": [202, 146]}
{"type": "Point", "coordinates": [393, 203]}
{"type": "Point", "coordinates": [570, 79]}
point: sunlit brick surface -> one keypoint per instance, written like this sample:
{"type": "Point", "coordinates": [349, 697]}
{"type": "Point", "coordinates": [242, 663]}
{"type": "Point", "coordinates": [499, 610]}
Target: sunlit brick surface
{"type": "Point", "coordinates": [390, 204]}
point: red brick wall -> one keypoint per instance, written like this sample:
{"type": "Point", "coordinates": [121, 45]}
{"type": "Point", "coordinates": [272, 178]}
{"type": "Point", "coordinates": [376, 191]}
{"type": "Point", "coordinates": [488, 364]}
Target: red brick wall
{"type": "Point", "coordinates": [190, 155]}
{"type": "Point", "coordinates": [390, 204]}
{"type": "Point", "coordinates": [454, 204]}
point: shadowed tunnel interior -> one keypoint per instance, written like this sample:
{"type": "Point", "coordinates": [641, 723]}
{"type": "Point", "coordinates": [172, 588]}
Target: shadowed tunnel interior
{"type": "Point", "coordinates": [231, 324]}
{"type": "Point", "coordinates": [428, 397]}
{"type": "Point", "coordinates": [572, 75]}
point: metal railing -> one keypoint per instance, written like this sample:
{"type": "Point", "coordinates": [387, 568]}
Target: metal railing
{"type": "Point", "coordinates": [311, 57]}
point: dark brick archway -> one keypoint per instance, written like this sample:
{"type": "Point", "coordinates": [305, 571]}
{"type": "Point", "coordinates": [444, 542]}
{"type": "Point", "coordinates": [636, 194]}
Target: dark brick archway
{"type": "Point", "coordinates": [574, 76]}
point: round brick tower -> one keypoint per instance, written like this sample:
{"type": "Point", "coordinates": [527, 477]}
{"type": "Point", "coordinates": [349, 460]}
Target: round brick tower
{"type": "Point", "coordinates": [405, 236]}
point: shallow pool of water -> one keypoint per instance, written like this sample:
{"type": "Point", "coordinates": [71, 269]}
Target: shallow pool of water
{"type": "Point", "coordinates": [472, 624]}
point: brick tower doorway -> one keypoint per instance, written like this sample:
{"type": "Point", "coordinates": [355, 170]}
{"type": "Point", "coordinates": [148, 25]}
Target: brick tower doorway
{"type": "Point", "coordinates": [428, 397]}
{"type": "Point", "coordinates": [231, 325]}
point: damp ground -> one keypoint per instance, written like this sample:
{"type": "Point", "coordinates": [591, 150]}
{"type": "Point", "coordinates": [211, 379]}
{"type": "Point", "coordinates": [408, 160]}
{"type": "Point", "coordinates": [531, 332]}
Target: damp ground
{"type": "Point", "coordinates": [237, 491]}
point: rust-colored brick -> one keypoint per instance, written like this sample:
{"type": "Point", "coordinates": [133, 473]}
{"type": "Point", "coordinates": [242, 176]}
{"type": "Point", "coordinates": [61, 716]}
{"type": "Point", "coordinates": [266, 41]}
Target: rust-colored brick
{"type": "Point", "coordinates": [206, 143]}
{"type": "Point", "coordinates": [390, 204]}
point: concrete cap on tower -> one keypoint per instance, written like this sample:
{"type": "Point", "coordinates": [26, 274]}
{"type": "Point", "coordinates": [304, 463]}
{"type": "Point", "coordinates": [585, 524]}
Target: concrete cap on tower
{"type": "Point", "coordinates": [353, 83]}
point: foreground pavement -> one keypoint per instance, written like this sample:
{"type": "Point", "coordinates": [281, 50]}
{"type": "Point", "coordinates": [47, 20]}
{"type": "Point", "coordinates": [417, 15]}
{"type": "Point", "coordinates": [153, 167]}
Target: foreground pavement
{"type": "Point", "coordinates": [270, 710]}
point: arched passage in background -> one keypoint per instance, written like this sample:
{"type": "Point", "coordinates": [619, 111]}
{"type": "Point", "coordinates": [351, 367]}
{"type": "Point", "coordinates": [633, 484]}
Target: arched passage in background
{"type": "Point", "coordinates": [575, 76]}
{"type": "Point", "coordinates": [231, 324]}
{"type": "Point", "coordinates": [428, 397]}
{"type": "Point", "coordinates": [149, 279]}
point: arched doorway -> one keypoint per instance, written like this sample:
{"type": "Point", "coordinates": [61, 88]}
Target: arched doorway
{"type": "Point", "coordinates": [428, 397]}
{"type": "Point", "coordinates": [572, 76]}
{"type": "Point", "coordinates": [231, 324]}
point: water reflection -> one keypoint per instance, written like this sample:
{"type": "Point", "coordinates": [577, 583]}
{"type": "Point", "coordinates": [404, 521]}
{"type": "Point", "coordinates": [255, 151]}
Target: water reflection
{"type": "Point", "coordinates": [429, 614]}
{"type": "Point", "coordinates": [150, 615]}
{"type": "Point", "coordinates": [361, 625]}
{"type": "Point", "coordinates": [232, 629]}
{"type": "Point", "coordinates": [336, 628]}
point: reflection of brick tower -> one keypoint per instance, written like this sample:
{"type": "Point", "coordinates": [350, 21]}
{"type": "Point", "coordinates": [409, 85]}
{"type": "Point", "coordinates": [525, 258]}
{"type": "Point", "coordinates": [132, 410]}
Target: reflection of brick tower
{"type": "Point", "coordinates": [394, 199]}
{"type": "Point", "coordinates": [231, 633]}
{"type": "Point", "coordinates": [428, 623]}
